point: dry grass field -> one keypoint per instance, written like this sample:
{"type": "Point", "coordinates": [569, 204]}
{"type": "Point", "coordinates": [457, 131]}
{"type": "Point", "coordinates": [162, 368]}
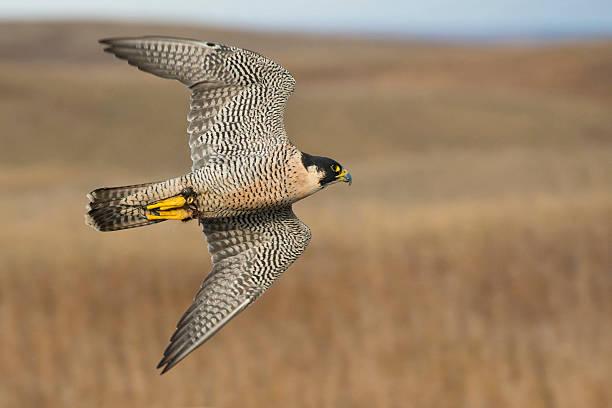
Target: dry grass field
{"type": "Point", "coordinates": [469, 265]}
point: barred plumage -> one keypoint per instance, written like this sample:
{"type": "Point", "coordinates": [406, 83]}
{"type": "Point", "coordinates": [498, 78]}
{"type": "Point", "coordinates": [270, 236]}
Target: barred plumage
{"type": "Point", "coordinates": [245, 176]}
{"type": "Point", "coordinates": [248, 252]}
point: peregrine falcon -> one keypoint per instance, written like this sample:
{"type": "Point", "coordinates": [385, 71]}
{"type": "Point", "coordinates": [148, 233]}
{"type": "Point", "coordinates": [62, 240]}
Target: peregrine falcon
{"type": "Point", "coordinates": [245, 175]}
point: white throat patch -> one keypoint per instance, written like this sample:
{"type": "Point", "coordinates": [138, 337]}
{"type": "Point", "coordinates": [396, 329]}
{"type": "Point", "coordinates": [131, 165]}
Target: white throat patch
{"type": "Point", "coordinates": [314, 177]}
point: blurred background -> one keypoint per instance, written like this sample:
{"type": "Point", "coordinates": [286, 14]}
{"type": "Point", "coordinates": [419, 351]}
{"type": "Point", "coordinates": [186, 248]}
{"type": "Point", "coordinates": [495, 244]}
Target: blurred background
{"type": "Point", "coordinates": [469, 265]}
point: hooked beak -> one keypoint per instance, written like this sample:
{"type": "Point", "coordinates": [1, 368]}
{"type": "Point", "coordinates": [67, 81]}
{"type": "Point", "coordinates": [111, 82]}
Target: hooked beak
{"type": "Point", "coordinates": [345, 176]}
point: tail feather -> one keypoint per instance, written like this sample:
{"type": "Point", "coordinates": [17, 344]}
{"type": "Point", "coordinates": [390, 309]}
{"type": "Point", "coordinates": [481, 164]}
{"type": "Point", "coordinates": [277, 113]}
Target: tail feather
{"type": "Point", "coordinates": [107, 194]}
{"type": "Point", "coordinates": [113, 218]}
{"type": "Point", "coordinates": [108, 212]}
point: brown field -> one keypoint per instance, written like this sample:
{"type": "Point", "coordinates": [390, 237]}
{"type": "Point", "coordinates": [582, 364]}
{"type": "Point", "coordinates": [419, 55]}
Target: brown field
{"type": "Point", "coordinates": [469, 265]}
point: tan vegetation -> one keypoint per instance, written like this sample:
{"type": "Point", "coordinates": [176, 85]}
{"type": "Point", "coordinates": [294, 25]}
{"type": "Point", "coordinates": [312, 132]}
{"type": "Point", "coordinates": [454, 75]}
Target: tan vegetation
{"type": "Point", "coordinates": [468, 265]}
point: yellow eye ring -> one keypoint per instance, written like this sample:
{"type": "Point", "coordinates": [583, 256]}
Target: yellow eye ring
{"type": "Point", "coordinates": [335, 168]}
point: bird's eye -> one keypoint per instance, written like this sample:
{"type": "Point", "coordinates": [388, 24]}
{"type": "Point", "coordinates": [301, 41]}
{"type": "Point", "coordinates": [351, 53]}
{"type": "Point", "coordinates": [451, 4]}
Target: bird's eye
{"type": "Point", "coordinates": [335, 168]}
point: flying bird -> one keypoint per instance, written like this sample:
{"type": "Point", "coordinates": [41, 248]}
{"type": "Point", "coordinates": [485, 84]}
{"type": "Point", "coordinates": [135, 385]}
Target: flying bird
{"type": "Point", "coordinates": [244, 178]}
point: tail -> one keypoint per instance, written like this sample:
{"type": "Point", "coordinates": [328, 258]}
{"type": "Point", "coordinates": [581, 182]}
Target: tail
{"type": "Point", "coordinates": [108, 211]}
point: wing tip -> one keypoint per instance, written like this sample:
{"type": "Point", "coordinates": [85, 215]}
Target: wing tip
{"type": "Point", "coordinates": [109, 44]}
{"type": "Point", "coordinates": [161, 365]}
{"type": "Point", "coordinates": [167, 363]}
{"type": "Point", "coordinates": [111, 41]}
{"type": "Point", "coordinates": [114, 42]}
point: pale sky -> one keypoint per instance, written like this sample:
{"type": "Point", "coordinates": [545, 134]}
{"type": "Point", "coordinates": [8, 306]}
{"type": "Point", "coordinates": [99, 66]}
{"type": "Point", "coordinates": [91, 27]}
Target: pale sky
{"type": "Point", "coordinates": [426, 17]}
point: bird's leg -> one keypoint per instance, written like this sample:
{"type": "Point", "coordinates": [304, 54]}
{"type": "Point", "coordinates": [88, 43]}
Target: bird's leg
{"type": "Point", "coordinates": [173, 208]}
{"type": "Point", "coordinates": [179, 214]}
{"type": "Point", "coordinates": [169, 203]}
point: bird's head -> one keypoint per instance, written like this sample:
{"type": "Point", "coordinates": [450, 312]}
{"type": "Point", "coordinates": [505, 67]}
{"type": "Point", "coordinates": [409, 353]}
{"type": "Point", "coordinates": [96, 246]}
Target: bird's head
{"type": "Point", "coordinates": [327, 171]}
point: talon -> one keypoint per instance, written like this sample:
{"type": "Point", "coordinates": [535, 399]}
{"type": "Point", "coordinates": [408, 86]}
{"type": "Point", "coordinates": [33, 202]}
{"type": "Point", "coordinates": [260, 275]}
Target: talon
{"type": "Point", "coordinates": [169, 203]}
{"type": "Point", "coordinates": [179, 214]}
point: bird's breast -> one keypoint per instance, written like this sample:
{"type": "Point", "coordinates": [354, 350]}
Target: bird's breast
{"type": "Point", "coordinates": [275, 182]}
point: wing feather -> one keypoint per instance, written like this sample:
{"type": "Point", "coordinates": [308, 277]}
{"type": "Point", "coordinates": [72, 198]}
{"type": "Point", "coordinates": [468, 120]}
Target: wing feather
{"type": "Point", "coordinates": [238, 96]}
{"type": "Point", "coordinates": [249, 253]}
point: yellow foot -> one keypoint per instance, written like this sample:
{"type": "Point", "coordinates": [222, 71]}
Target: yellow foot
{"type": "Point", "coordinates": [169, 203]}
{"type": "Point", "coordinates": [179, 207]}
{"type": "Point", "coordinates": [179, 214]}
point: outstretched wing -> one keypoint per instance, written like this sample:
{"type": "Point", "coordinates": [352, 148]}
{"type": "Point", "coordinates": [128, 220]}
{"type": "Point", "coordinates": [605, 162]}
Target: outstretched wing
{"type": "Point", "coordinates": [248, 253]}
{"type": "Point", "coordinates": [238, 96]}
